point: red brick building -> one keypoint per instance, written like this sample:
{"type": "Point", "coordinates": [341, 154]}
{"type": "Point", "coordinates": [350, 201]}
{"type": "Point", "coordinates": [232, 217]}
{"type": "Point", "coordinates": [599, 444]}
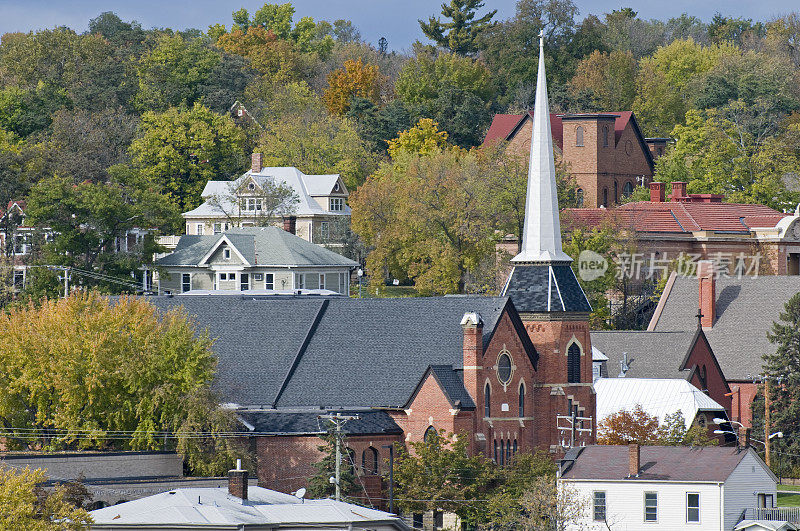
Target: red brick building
{"type": "Point", "coordinates": [605, 152]}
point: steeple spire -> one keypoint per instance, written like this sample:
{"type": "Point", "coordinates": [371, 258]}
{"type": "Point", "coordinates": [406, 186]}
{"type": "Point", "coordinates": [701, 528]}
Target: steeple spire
{"type": "Point", "coordinates": [541, 237]}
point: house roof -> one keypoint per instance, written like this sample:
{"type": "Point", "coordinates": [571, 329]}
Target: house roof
{"type": "Point", "coordinates": [745, 307]}
{"type": "Point", "coordinates": [450, 382]}
{"type": "Point", "coordinates": [681, 217]}
{"type": "Point", "coordinates": [288, 422]}
{"type": "Point", "coordinates": [711, 464]}
{"type": "Point", "coordinates": [657, 397]}
{"type": "Point", "coordinates": [545, 288]}
{"type": "Point", "coordinates": [305, 186]}
{"type": "Point", "coordinates": [205, 507]}
{"type": "Point", "coordinates": [307, 352]}
{"type": "Point", "coordinates": [267, 246]}
{"type": "Point", "coordinates": [648, 354]}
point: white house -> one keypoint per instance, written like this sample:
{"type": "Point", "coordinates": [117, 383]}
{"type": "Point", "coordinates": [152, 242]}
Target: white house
{"type": "Point", "coordinates": [666, 487]}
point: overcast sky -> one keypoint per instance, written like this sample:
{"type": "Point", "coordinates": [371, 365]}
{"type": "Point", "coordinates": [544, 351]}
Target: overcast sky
{"type": "Point", "coordinates": [394, 19]}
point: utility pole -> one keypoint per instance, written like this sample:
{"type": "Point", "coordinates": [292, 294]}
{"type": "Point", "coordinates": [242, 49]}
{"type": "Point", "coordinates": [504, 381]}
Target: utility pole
{"type": "Point", "coordinates": [66, 282]}
{"type": "Point", "coordinates": [338, 421]}
{"type": "Point", "coordinates": [766, 422]}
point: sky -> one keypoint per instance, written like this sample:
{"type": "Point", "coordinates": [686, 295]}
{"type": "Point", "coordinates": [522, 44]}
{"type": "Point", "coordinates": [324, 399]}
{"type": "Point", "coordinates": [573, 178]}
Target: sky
{"type": "Point", "coordinates": [394, 19]}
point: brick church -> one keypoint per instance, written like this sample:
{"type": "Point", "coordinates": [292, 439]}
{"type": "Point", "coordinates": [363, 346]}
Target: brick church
{"type": "Point", "coordinates": [497, 370]}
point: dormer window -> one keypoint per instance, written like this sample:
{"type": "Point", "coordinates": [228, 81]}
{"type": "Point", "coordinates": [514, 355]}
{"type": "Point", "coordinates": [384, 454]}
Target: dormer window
{"type": "Point", "coordinates": [336, 187]}
{"type": "Point", "coordinates": [226, 254]}
{"type": "Point", "coordinates": [336, 204]}
{"type": "Point", "coordinates": [251, 186]}
{"type": "Point", "coordinates": [251, 204]}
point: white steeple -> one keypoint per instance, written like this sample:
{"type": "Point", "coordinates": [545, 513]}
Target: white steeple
{"type": "Point", "coordinates": [541, 238]}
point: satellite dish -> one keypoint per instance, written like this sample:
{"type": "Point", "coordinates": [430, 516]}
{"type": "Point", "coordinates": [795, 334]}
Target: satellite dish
{"type": "Point", "coordinates": [301, 492]}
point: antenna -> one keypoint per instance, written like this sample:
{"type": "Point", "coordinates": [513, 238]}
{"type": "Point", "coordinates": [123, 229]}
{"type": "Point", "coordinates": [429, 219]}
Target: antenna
{"type": "Point", "coordinates": [301, 492]}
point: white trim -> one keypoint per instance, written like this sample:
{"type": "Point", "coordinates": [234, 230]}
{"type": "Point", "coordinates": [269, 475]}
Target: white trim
{"type": "Point", "coordinates": [223, 239]}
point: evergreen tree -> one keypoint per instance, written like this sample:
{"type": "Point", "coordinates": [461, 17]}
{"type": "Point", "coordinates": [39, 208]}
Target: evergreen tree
{"type": "Point", "coordinates": [319, 485]}
{"type": "Point", "coordinates": [463, 30]}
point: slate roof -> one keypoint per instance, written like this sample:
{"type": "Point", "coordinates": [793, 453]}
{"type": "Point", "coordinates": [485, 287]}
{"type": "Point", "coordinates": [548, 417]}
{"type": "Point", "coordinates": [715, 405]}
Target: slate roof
{"type": "Point", "coordinates": [266, 246]}
{"type": "Point", "coordinates": [337, 352]}
{"type": "Point", "coordinates": [657, 397]}
{"type": "Point", "coordinates": [451, 383]}
{"type": "Point", "coordinates": [649, 354]}
{"type": "Point", "coordinates": [658, 463]}
{"type": "Point", "coordinates": [279, 422]}
{"type": "Point", "coordinates": [545, 288]}
{"type": "Point", "coordinates": [677, 217]}
{"type": "Point", "coordinates": [746, 309]}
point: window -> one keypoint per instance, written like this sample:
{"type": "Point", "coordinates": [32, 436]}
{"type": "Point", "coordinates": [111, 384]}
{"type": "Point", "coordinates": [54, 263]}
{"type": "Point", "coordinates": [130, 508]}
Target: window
{"type": "Point", "coordinates": [605, 197]}
{"type": "Point", "coordinates": [418, 520]}
{"type": "Point", "coordinates": [692, 507]}
{"type": "Point", "coordinates": [502, 452]}
{"type": "Point", "coordinates": [515, 446]}
{"type": "Point", "coordinates": [186, 282]}
{"type": "Point", "coordinates": [521, 399]}
{"type": "Point", "coordinates": [322, 281]}
{"type": "Point", "coordinates": [323, 230]}
{"type": "Point", "coordinates": [430, 434]}
{"type": "Point", "coordinates": [300, 281]}
{"type": "Point", "coordinates": [336, 204]}
{"type": "Point", "coordinates": [269, 281]}
{"type": "Point", "coordinates": [599, 506]}
{"type": "Point", "coordinates": [251, 186]}
{"type": "Point", "coordinates": [198, 229]}
{"type": "Point", "coordinates": [579, 197]}
{"type": "Point", "coordinates": [487, 401]}
{"type": "Point", "coordinates": [244, 281]}
{"type": "Point", "coordinates": [223, 276]}
{"type": "Point", "coordinates": [579, 136]}
{"type": "Point", "coordinates": [369, 461]}
{"type": "Point", "coordinates": [765, 501]}
{"type": "Point", "coordinates": [508, 451]}
{"type": "Point", "coordinates": [239, 112]}
{"type": "Point", "coordinates": [251, 204]}
{"type": "Point", "coordinates": [651, 507]}
{"type": "Point", "coordinates": [504, 368]}
{"type": "Point", "coordinates": [574, 364]}
{"type": "Point", "coordinates": [336, 187]}
{"type": "Point", "coordinates": [226, 254]}
{"type": "Point", "coordinates": [495, 452]}
{"type": "Point", "coordinates": [616, 195]}
{"type": "Point", "coordinates": [217, 228]}
{"type": "Point", "coordinates": [258, 276]}
{"type": "Point", "coordinates": [438, 519]}
{"type": "Point", "coordinates": [19, 279]}
{"type": "Point", "coordinates": [605, 136]}
{"type": "Point", "coordinates": [627, 189]}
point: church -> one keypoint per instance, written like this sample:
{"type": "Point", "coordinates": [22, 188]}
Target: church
{"type": "Point", "coordinates": [511, 373]}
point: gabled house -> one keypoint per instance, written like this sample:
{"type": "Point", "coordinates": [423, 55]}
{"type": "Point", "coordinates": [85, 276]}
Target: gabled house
{"type": "Point", "coordinates": [252, 259]}
{"type": "Point", "coordinates": [249, 201]}
{"type": "Point", "coordinates": [666, 487]}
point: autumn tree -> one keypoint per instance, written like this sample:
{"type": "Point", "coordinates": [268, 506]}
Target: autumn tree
{"type": "Point", "coordinates": [610, 77]}
{"type": "Point", "coordinates": [89, 373]}
{"type": "Point", "coordinates": [354, 79]}
{"type": "Point", "coordinates": [461, 33]}
{"type": "Point", "coordinates": [637, 426]}
{"type": "Point", "coordinates": [24, 505]}
{"type": "Point", "coordinates": [424, 139]}
{"type": "Point", "coordinates": [275, 58]}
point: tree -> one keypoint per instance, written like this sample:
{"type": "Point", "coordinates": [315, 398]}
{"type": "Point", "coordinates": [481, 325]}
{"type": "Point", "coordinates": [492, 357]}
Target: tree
{"type": "Point", "coordinates": [278, 59]}
{"type": "Point", "coordinates": [24, 505]}
{"type": "Point", "coordinates": [547, 506]}
{"type": "Point", "coordinates": [610, 77]}
{"type": "Point", "coordinates": [319, 485]}
{"type": "Point", "coordinates": [275, 201]}
{"type": "Point", "coordinates": [377, 125]}
{"type": "Point", "coordinates": [354, 79]}
{"type": "Point", "coordinates": [637, 426]}
{"type": "Point", "coordinates": [424, 139]}
{"type": "Point", "coordinates": [460, 35]}
{"type": "Point", "coordinates": [85, 372]}
{"type": "Point", "coordinates": [181, 149]}
{"type": "Point", "coordinates": [424, 77]}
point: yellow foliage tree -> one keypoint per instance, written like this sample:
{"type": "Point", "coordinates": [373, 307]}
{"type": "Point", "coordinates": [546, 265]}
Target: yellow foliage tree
{"type": "Point", "coordinates": [423, 139]}
{"type": "Point", "coordinates": [24, 506]}
{"type": "Point", "coordinates": [354, 79]}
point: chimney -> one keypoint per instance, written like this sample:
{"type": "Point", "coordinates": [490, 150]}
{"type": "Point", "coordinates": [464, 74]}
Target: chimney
{"type": "Point", "coordinates": [634, 458]}
{"type": "Point", "coordinates": [237, 481]}
{"type": "Point", "coordinates": [290, 224]}
{"type": "Point", "coordinates": [744, 437]}
{"type": "Point", "coordinates": [255, 165]}
{"type": "Point", "coordinates": [679, 191]}
{"type": "Point", "coordinates": [472, 324]}
{"type": "Point", "coordinates": [657, 190]}
{"type": "Point", "coordinates": [706, 280]}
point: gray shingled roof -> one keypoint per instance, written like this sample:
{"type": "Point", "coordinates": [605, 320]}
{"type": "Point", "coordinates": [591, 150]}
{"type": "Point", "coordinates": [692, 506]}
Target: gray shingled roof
{"type": "Point", "coordinates": [650, 354]}
{"type": "Point", "coordinates": [546, 288]}
{"type": "Point", "coordinates": [451, 383]}
{"type": "Point", "coordinates": [267, 246]}
{"type": "Point", "coordinates": [309, 423]}
{"type": "Point", "coordinates": [664, 463]}
{"type": "Point", "coordinates": [746, 309]}
{"type": "Point", "coordinates": [333, 352]}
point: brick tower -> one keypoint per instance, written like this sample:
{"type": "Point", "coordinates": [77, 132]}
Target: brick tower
{"type": "Point", "coordinates": [550, 301]}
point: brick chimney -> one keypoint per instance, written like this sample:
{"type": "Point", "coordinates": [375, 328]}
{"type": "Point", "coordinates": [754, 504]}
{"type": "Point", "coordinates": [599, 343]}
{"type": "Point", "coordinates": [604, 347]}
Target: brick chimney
{"type": "Point", "coordinates": [679, 191]}
{"type": "Point", "coordinates": [634, 459]}
{"type": "Point", "coordinates": [472, 325]}
{"type": "Point", "coordinates": [706, 280]}
{"type": "Point", "coordinates": [657, 190]}
{"type": "Point", "coordinates": [744, 437]}
{"type": "Point", "coordinates": [237, 481]}
{"type": "Point", "coordinates": [255, 163]}
{"type": "Point", "coordinates": [290, 224]}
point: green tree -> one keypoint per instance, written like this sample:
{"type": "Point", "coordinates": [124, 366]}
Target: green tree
{"type": "Point", "coordinates": [84, 372]}
{"type": "Point", "coordinates": [610, 77]}
{"type": "Point", "coordinates": [24, 505]}
{"type": "Point", "coordinates": [461, 34]}
{"type": "Point", "coordinates": [377, 125]}
{"type": "Point", "coordinates": [319, 485]}
{"type": "Point", "coordinates": [424, 139]}
{"type": "Point", "coordinates": [181, 149]}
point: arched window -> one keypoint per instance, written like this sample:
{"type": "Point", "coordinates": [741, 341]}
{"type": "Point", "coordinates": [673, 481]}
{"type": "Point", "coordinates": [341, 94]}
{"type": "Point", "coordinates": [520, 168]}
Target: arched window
{"type": "Point", "coordinates": [579, 197]}
{"type": "Point", "coordinates": [515, 446]}
{"type": "Point", "coordinates": [605, 197]}
{"type": "Point", "coordinates": [351, 457]}
{"type": "Point", "coordinates": [521, 399]}
{"type": "Point", "coordinates": [627, 189]}
{"type": "Point", "coordinates": [574, 364]}
{"type": "Point", "coordinates": [430, 434]}
{"type": "Point", "coordinates": [616, 195]}
{"type": "Point", "coordinates": [508, 451]}
{"type": "Point", "coordinates": [605, 136]}
{"type": "Point", "coordinates": [487, 401]}
{"type": "Point", "coordinates": [579, 136]}
{"type": "Point", "coordinates": [369, 461]}
{"type": "Point", "coordinates": [495, 452]}
{"type": "Point", "coordinates": [502, 452]}
{"type": "Point", "coordinates": [504, 368]}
